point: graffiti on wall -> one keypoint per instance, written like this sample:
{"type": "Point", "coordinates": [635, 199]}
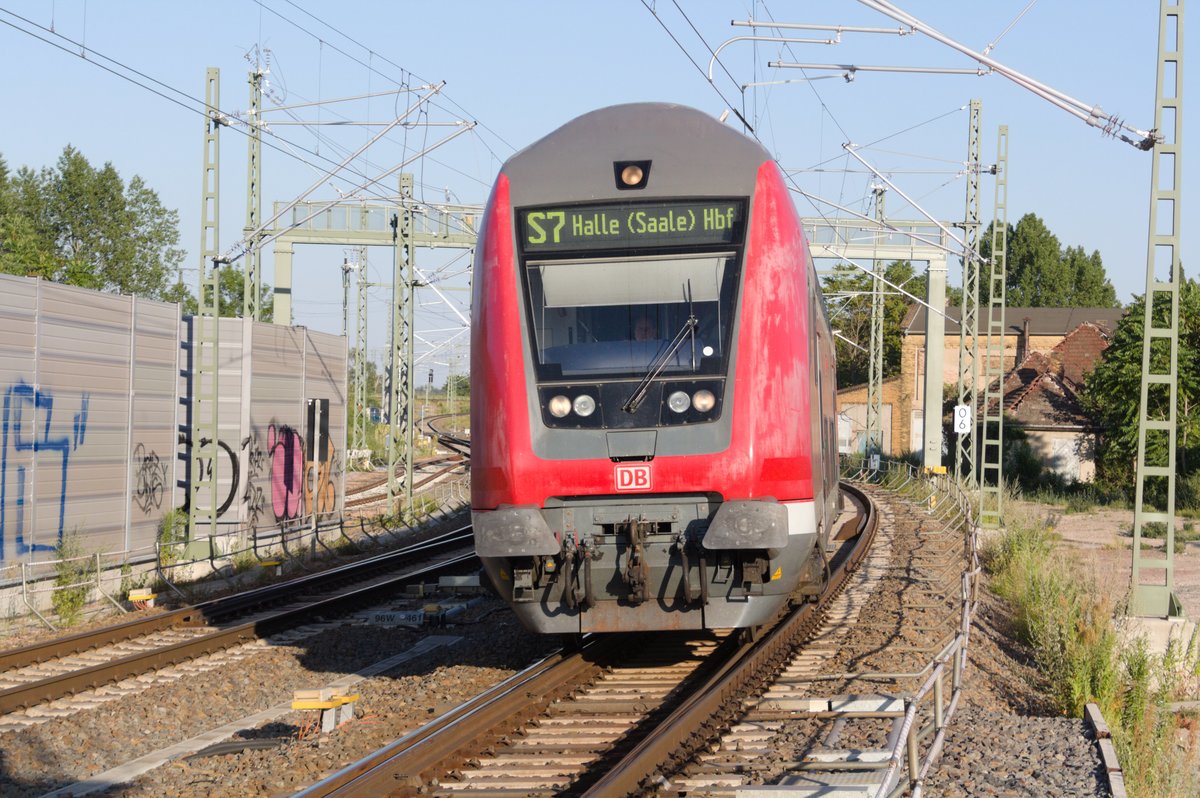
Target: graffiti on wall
{"type": "Point", "coordinates": [286, 448]}
{"type": "Point", "coordinates": [285, 468]}
{"type": "Point", "coordinates": [292, 475]}
{"type": "Point", "coordinates": [30, 439]}
{"type": "Point", "coordinates": [149, 479]}
{"type": "Point", "coordinates": [254, 496]}
{"type": "Point", "coordinates": [229, 464]}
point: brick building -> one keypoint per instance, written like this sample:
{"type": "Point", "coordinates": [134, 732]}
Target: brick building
{"type": "Point", "coordinates": [1047, 353]}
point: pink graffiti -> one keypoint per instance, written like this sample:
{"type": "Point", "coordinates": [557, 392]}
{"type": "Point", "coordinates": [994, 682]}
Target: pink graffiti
{"type": "Point", "coordinates": [287, 470]}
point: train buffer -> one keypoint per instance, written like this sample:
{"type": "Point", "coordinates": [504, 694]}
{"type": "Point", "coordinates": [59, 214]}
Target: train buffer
{"type": "Point", "coordinates": [335, 709]}
{"type": "Point", "coordinates": [272, 566]}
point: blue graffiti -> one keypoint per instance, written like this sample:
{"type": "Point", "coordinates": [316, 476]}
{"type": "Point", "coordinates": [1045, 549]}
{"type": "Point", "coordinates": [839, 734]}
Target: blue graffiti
{"type": "Point", "coordinates": [24, 410]}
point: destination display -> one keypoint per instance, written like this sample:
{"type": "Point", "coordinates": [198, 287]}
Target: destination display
{"type": "Point", "coordinates": [632, 225]}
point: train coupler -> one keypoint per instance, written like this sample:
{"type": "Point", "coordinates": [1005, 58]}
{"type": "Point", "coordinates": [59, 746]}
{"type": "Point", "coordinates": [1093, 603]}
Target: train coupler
{"type": "Point", "coordinates": [636, 572]}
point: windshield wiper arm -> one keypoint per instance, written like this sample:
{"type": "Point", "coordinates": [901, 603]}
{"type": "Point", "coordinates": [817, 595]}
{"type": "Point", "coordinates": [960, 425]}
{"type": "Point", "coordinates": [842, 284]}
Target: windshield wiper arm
{"type": "Point", "coordinates": [639, 394]}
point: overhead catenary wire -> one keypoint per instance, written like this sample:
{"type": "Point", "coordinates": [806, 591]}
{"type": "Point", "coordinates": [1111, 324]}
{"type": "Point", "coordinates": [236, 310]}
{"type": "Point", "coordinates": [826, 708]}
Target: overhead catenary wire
{"type": "Point", "coordinates": [188, 102]}
{"type": "Point", "coordinates": [992, 44]}
{"type": "Point", "coordinates": [699, 68]}
{"type": "Point", "coordinates": [252, 235]}
{"type": "Point", "coordinates": [1093, 115]}
{"type": "Point", "coordinates": [790, 178]}
{"type": "Point", "coordinates": [370, 67]}
{"type": "Point", "coordinates": [945, 230]}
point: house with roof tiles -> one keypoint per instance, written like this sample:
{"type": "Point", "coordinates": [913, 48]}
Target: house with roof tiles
{"type": "Point", "coordinates": [1047, 355]}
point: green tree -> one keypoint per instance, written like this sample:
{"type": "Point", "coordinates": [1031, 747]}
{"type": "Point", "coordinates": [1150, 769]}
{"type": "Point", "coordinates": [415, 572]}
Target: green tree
{"type": "Point", "coordinates": [1113, 392]}
{"type": "Point", "coordinates": [84, 226]}
{"type": "Point", "coordinates": [233, 291]}
{"type": "Point", "coordinates": [1091, 286]}
{"type": "Point", "coordinates": [1042, 274]}
{"type": "Point", "coordinates": [1037, 277]}
{"type": "Point", "coordinates": [848, 291]}
{"type": "Point", "coordinates": [461, 384]}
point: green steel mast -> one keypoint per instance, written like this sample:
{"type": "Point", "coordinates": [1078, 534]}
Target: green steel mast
{"type": "Point", "coordinates": [1154, 568]}
{"type": "Point", "coordinates": [991, 485]}
{"type": "Point", "coordinates": [968, 337]}
{"type": "Point", "coordinates": [202, 479]}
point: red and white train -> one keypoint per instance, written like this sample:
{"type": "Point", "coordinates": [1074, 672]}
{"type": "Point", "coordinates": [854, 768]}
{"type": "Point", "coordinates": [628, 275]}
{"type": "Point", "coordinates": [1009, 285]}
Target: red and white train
{"type": "Point", "coordinates": [652, 380]}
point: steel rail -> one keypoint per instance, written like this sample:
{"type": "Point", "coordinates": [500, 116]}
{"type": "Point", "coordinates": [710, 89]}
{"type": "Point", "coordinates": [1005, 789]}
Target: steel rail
{"type": "Point", "coordinates": [456, 458]}
{"type": "Point", "coordinates": [408, 765]}
{"type": "Point", "coordinates": [457, 462]}
{"type": "Point", "coordinates": [689, 727]}
{"type": "Point", "coordinates": [410, 761]}
{"type": "Point", "coordinates": [214, 611]}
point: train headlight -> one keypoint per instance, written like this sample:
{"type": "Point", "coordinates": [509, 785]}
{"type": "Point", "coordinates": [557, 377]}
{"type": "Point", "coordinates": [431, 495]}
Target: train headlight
{"type": "Point", "coordinates": [584, 405]}
{"type": "Point", "coordinates": [679, 401]}
{"type": "Point", "coordinates": [704, 400]}
{"type": "Point", "coordinates": [559, 406]}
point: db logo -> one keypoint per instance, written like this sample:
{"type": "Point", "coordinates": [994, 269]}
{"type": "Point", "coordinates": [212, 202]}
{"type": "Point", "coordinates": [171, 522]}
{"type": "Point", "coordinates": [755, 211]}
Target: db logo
{"type": "Point", "coordinates": [633, 477]}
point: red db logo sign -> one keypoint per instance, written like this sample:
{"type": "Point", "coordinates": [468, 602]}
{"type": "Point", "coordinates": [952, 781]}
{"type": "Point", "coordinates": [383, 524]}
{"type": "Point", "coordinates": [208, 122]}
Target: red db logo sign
{"type": "Point", "coordinates": [632, 477]}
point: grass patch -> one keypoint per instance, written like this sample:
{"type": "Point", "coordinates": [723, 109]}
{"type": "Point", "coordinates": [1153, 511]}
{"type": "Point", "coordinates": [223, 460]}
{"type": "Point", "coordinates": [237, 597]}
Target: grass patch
{"type": "Point", "coordinates": [1062, 615]}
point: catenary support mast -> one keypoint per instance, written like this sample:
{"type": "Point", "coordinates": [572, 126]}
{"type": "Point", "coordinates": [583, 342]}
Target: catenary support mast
{"type": "Point", "coordinates": [968, 338]}
{"type": "Point", "coordinates": [875, 349]}
{"type": "Point", "coordinates": [252, 276]}
{"type": "Point", "coordinates": [1154, 568]}
{"type": "Point", "coordinates": [991, 455]}
{"type": "Point", "coordinates": [202, 478]}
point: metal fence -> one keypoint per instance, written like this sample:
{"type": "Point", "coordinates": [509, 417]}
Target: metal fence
{"type": "Point", "coordinates": [929, 708]}
{"type": "Point", "coordinates": [228, 560]}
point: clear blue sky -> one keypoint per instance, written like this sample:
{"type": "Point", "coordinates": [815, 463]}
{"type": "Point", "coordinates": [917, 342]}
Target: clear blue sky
{"type": "Point", "coordinates": [520, 69]}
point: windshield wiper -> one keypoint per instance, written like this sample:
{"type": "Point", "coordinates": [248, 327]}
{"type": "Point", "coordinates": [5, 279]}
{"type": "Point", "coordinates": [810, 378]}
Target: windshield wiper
{"type": "Point", "coordinates": [639, 394]}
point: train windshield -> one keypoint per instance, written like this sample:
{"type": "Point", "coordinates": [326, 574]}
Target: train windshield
{"type": "Point", "coordinates": [619, 318]}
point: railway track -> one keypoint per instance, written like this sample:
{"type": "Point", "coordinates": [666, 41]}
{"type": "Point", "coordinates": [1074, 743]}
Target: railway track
{"type": "Point", "coordinates": [358, 499]}
{"type": "Point", "coordinates": [601, 720]}
{"type": "Point", "coordinates": [62, 667]}
{"type": "Point", "coordinates": [460, 447]}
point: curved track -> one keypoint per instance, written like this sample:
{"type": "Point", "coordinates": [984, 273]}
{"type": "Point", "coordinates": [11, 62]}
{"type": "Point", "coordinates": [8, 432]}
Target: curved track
{"type": "Point", "coordinates": [625, 705]}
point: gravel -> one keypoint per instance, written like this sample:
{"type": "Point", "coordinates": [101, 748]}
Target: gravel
{"type": "Point", "coordinates": [1004, 740]}
{"type": "Point", "coordinates": [61, 752]}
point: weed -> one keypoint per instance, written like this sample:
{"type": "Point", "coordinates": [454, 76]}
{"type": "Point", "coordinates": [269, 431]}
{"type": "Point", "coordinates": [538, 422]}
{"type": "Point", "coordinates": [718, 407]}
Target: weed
{"type": "Point", "coordinates": [244, 560]}
{"type": "Point", "coordinates": [72, 582]}
{"type": "Point", "coordinates": [128, 581]}
{"type": "Point", "coordinates": [172, 534]}
{"type": "Point", "coordinates": [1068, 624]}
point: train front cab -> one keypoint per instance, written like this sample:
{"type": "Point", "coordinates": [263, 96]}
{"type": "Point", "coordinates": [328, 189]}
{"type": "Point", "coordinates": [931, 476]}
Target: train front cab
{"type": "Point", "coordinates": [662, 474]}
